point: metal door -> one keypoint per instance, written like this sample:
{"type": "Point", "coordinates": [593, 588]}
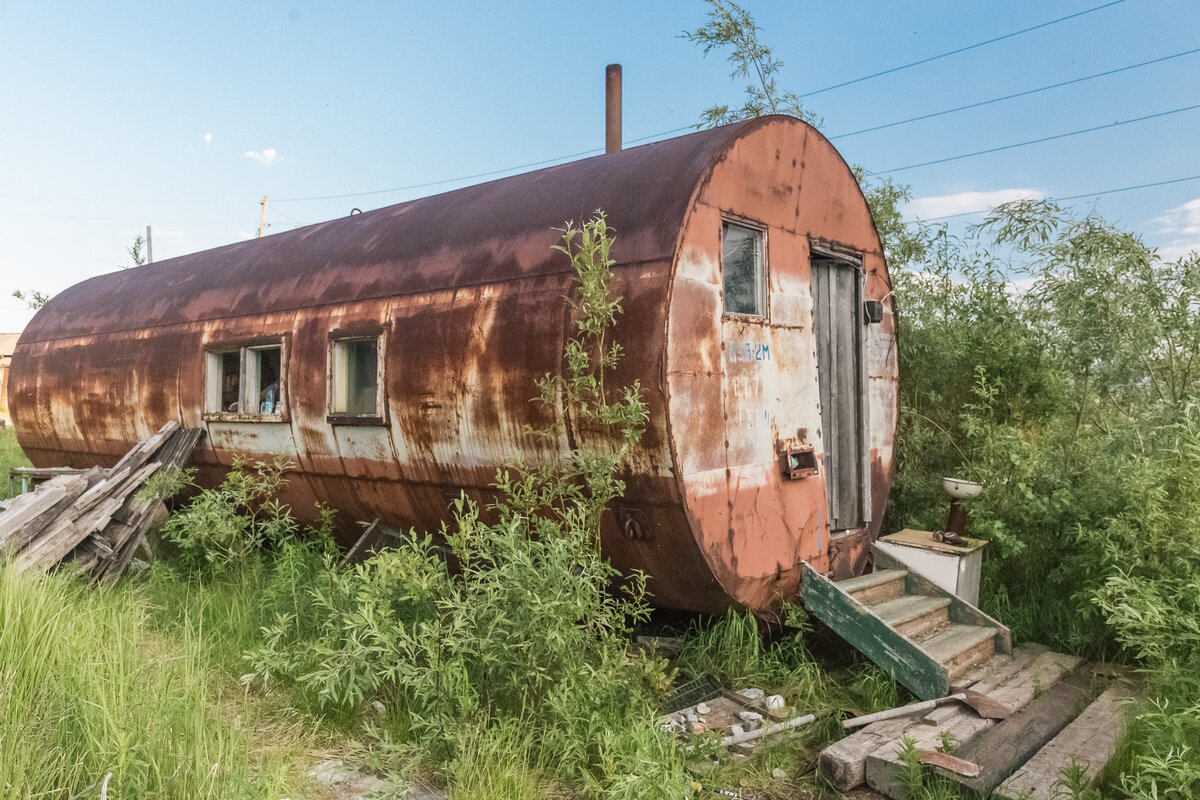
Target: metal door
{"type": "Point", "coordinates": [839, 328]}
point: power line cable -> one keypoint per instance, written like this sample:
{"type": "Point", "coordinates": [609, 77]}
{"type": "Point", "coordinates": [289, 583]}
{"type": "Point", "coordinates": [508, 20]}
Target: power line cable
{"type": "Point", "coordinates": [1025, 93]}
{"type": "Point", "coordinates": [557, 159]}
{"type": "Point", "coordinates": [1068, 198]}
{"type": "Point", "coordinates": [648, 137]}
{"type": "Point", "coordinates": [436, 183]}
{"type": "Point", "coordinates": [1055, 137]}
{"type": "Point", "coordinates": [956, 51]}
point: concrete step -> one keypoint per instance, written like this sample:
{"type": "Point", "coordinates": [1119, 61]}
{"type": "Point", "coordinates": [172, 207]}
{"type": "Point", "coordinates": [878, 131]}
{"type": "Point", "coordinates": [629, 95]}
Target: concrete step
{"type": "Point", "coordinates": [960, 647]}
{"type": "Point", "coordinates": [915, 615]}
{"type": "Point", "coordinates": [875, 587]}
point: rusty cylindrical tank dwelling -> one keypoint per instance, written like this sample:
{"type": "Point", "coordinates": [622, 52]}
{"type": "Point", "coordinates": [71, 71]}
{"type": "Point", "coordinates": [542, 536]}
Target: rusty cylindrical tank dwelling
{"type": "Point", "coordinates": [392, 354]}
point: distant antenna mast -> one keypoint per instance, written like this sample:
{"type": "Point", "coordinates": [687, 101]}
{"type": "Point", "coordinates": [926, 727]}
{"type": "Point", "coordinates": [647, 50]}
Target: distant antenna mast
{"type": "Point", "coordinates": [262, 219]}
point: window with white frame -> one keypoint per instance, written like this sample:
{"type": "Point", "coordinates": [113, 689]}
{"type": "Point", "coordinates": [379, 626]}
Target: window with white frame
{"type": "Point", "coordinates": [743, 270]}
{"type": "Point", "coordinates": [245, 382]}
{"type": "Point", "coordinates": [355, 385]}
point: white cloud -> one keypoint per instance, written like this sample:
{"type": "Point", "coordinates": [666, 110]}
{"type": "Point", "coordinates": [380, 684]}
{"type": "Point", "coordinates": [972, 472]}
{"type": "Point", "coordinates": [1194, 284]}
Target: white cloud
{"type": "Point", "coordinates": [946, 204]}
{"type": "Point", "coordinates": [1180, 227]}
{"type": "Point", "coordinates": [207, 138]}
{"type": "Point", "coordinates": [267, 156]}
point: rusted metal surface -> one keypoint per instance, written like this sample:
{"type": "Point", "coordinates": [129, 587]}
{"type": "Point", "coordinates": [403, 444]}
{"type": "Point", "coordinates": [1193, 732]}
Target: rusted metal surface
{"type": "Point", "coordinates": [612, 108]}
{"type": "Point", "coordinates": [468, 294]}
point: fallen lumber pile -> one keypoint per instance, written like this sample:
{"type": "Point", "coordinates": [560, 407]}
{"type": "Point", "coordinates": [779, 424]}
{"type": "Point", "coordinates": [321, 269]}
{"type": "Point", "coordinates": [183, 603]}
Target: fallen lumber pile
{"type": "Point", "coordinates": [1062, 712]}
{"type": "Point", "coordinates": [93, 521]}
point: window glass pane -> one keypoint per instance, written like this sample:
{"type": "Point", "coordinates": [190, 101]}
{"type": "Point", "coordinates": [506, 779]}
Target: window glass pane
{"type": "Point", "coordinates": [356, 377]}
{"type": "Point", "coordinates": [264, 365]}
{"type": "Point", "coordinates": [230, 376]}
{"type": "Point", "coordinates": [742, 267]}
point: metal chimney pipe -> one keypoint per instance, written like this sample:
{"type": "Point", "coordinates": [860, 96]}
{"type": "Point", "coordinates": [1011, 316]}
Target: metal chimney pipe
{"type": "Point", "coordinates": [612, 108]}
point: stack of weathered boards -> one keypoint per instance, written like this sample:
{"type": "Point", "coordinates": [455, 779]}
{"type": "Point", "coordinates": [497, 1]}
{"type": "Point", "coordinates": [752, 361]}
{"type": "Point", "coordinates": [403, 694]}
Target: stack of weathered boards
{"type": "Point", "coordinates": [1065, 713]}
{"type": "Point", "coordinates": [94, 520]}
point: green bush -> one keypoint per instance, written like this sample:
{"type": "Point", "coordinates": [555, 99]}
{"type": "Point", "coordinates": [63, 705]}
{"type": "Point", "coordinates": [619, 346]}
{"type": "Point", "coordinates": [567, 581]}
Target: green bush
{"type": "Point", "coordinates": [222, 528]}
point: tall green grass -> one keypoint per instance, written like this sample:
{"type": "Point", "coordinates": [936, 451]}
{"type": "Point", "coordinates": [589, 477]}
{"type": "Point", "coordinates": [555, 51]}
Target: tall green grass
{"type": "Point", "coordinates": [10, 456]}
{"type": "Point", "coordinates": [86, 690]}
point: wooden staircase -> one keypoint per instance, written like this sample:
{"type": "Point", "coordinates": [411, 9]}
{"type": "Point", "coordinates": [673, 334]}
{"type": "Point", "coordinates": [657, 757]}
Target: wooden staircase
{"type": "Point", "coordinates": [1063, 712]}
{"type": "Point", "coordinates": [923, 635]}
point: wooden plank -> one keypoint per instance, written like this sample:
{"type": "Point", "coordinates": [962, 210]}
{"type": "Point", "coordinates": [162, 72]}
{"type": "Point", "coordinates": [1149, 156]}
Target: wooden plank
{"type": "Point", "coordinates": [27, 507]}
{"type": "Point", "coordinates": [91, 512]}
{"type": "Point", "coordinates": [18, 538]}
{"type": "Point", "coordinates": [1004, 747]}
{"type": "Point", "coordinates": [875, 588]}
{"type": "Point", "coordinates": [141, 452]}
{"type": "Point", "coordinates": [843, 763]}
{"type": "Point", "coordinates": [862, 628]}
{"type": "Point", "coordinates": [915, 615]}
{"type": "Point", "coordinates": [959, 611]}
{"type": "Point", "coordinates": [885, 770]}
{"type": "Point", "coordinates": [960, 647]}
{"type": "Point", "coordinates": [153, 515]}
{"type": "Point", "coordinates": [955, 765]}
{"type": "Point", "coordinates": [995, 665]}
{"type": "Point", "coordinates": [1089, 741]}
{"type": "Point", "coordinates": [44, 473]}
{"type": "Point", "coordinates": [1017, 684]}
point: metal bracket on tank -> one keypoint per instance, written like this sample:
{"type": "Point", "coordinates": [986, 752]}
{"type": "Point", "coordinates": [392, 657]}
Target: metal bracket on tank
{"type": "Point", "coordinates": [633, 524]}
{"type": "Point", "coordinates": [798, 462]}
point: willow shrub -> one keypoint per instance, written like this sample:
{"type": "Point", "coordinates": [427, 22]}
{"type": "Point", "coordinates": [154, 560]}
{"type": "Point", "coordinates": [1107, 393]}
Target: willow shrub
{"type": "Point", "coordinates": [1068, 386]}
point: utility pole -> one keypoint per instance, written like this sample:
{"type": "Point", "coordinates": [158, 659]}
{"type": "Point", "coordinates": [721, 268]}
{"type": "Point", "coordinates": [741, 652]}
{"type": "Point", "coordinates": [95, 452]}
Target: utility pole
{"type": "Point", "coordinates": [149, 247]}
{"type": "Point", "coordinates": [262, 219]}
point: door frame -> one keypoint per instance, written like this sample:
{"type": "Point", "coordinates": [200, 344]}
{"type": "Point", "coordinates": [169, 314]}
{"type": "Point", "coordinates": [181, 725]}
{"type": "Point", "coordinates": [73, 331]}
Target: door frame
{"type": "Point", "coordinates": [851, 259]}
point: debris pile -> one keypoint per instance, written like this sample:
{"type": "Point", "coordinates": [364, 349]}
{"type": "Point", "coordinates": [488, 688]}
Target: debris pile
{"type": "Point", "coordinates": [93, 521]}
{"type": "Point", "coordinates": [740, 717]}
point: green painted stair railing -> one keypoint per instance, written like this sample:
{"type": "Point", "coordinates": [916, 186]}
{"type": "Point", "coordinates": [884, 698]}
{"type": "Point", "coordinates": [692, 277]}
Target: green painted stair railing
{"type": "Point", "coordinates": [922, 634]}
{"type": "Point", "coordinates": [874, 638]}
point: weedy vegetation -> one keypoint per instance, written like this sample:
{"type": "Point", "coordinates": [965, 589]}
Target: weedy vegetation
{"type": "Point", "coordinates": [519, 652]}
{"type": "Point", "coordinates": [10, 456]}
{"type": "Point", "coordinates": [91, 690]}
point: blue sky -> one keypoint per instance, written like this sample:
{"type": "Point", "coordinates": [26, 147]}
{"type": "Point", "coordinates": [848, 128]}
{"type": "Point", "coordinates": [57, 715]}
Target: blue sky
{"type": "Point", "coordinates": [183, 116]}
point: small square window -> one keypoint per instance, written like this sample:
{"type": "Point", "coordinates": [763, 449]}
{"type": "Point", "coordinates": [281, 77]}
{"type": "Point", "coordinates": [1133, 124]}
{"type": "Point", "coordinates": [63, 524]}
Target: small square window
{"type": "Point", "coordinates": [244, 382]}
{"type": "Point", "coordinates": [744, 270]}
{"type": "Point", "coordinates": [354, 389]}
{"type": "Point", "coordinates": [263, 364]}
